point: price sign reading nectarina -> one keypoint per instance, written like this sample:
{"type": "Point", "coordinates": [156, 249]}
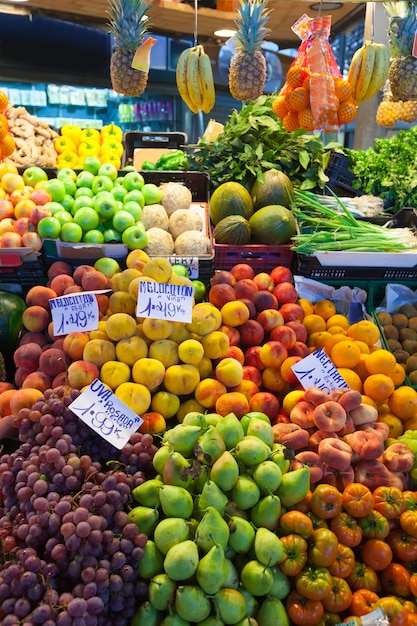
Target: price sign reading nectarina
{"type": "Point", "coordinates": [317, 370]}
{"type": "Point", "coordinates": [164, 301]}
{"type": "Point", "coordinates": [75, 312]}
{"type": "Point", "coordinates": [108, 416]}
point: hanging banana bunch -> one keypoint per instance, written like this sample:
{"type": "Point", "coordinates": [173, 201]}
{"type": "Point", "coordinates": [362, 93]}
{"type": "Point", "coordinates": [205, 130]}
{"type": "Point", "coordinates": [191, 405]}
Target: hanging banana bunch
{"type": "Point", "coordinates": [368, 70]}
{"type": "Point", "coordinates": [195, 82]}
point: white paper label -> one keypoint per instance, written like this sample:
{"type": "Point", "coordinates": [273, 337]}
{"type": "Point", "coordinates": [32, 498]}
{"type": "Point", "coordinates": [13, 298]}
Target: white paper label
{"type": "Point", "coordinates": [74, 312]}
{"type": "Point", "coordinates": [317, 370]}
{"type": "Point", "coordinates": [108, 416]}
{"type": "Point", "coordinates": [164, 301]}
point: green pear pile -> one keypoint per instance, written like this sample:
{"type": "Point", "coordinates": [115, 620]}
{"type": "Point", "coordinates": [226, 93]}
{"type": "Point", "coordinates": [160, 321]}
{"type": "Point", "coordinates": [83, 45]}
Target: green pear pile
{"type": "Point", "coordinates": [211, 515]}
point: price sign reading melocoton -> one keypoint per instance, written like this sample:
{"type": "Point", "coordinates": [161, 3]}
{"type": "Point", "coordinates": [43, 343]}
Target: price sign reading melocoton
{"type": "Point", "coordinates": [317, 370]}
{"type": "Point", "coordinates": [108, 416]}
{"type": "Point", "coordinates": [164, 301]}
{"type": "Point", "coordinates": [75, 312]}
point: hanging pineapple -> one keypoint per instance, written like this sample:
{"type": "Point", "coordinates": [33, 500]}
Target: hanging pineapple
{"type": "Point", "coordinates": [247, 72]}
{"type": "Point", "coordinates": [129, 63]}
{"type": "Point", "coordinates": [401, 31]}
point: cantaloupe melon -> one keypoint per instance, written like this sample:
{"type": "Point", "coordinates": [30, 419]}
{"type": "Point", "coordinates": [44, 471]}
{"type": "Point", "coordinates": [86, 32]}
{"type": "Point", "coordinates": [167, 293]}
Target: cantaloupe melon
{"type": "Point", "coordinates": [230, 198]}
{"type": "Point", "coordinates": [272, 225]}
{"type": "Point", "coordinates": [276, 188]}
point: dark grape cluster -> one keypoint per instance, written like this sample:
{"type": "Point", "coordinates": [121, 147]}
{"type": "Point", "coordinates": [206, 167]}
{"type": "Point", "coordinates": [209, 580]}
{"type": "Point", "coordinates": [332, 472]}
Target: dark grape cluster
{"type": "Point", "coordinates": [68, 551]}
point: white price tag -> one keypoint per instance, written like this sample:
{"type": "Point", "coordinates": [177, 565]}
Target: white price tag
{"type": "Point", "coordinates": [164, 301]}
{"type": "Point", "coordinates": [191, 263]}
{"type": "Point", "coordinates": [108, 416]}
{"type": "Point", "coordinates": [74, 312]}
{"type": "Point", "coordinates": [317, 370]}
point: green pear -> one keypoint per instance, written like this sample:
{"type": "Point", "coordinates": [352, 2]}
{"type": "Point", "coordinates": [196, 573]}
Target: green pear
{"type": "Point", "coordinates": [250, 450]}
{"type": "Point", "coordinates": [161, 592]}
{"type": "Point", "coordinates": [212, 495]}
{"type": "Point", "coordinates": [201, 474]}
{"type": "Point", "coordinates": [192, 526]}
{"type": "Point", "coordinates": [146, 615]}
{"type": "Point", "coordinates": [176, 501]}
{"type": "Point", "coordinates": [245, 492]}
{"type": "Point", "coordinates": [272, 611]}
{"type": "Point", "coordinates": [170, 531]}
{"type": "Point", "coordinates": [173, 619]}
{"type": "Point", "coordinates": [256, 578]}
{"type": "Point", "coordinates": [152, 561]}
{"type": "Point", "coordinates": [212, 620]}
{"type": "Point", "coordinates": [242, 534]}
{"type": "Point", "coordinates": [190, 601]}
{"type": "Point", "coordinates": [225, 471]}
{"type": "Point", "coordinates": [268, 547]}
{"type": "Point", "coordinates": [281, 455]}
{"type": "Point", "coordinates": [211, 530]}
{"type": "Point", "coordinates": [145, 519]}
{"type": "Point", "coordinates": [262, 430]}
{"type": "Point", "coordinates": [147, 494]}
{"type": "Point", "coordinates": [281, 585]}
{"type": "Point", "coordinates": [210, 446]}
{"type": "Point", "coordinates": [247, 621]}
{"type": "Point", "coordinates": [267, 512]}
{"type": "Point", "coordinates": [232, 509]}
{"type": "Point", "coordinates": [212, 570]}
{"type": "Point", "coordinates": [232, 579]}
{"type": "Point", "coordinates": [267, 476]}
{"type": "Point", "coordinates": [253, 415]}
{"type": "Point", "coordinates": [212, 419]}
{"type": "Point", "coordinates": [177, 470]}
{"type": "Point", "coordinates": [194, 418]}
{"type": "Point", "coordinates": [182, 438]}
{"type": "Point", "coordinates": [231, 605]}
{"type": "Point", "coordinates": [181, 560]}
{"type": "Point", "coordinates": [294, 486]}
{"type": "Point", "coordinates": [252, 604]}
{"type": "Point", "coordinates": [160, 457]}
{"type": "Point", "coordinates": [230, 430]}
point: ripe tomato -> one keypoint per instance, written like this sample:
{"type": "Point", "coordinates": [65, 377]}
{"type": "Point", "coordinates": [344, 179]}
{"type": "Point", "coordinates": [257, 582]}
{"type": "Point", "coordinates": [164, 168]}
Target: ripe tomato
{"type": "Point", "coordinates": [411, 619]}
{"type": "Point", "coordinates": [376, 553]}
{"type": "Point", "coordinates": [363, 601]}
{"type": "Point", "coordinates": [326, 501]}
{"type": "Point", "coordinates": [340, 596]}
{"type": "Point", "coordinates": [363, 577]}
{"type": "Point", "coordinates": [295, 554]}
{"type": "Point", "coordinates": [395, 580]}
{"type": "Point", "coordinates": [304, 505]}
{"type": "Point", "coordinates": [329, 619]}
{"type": "Point", "coordinates": [318, 522]}
{"type": "Point", "coordinates": [389, 501]}
{"type": "Point", "coordinates": [413, 584]}
{"type": "Point", "coordinates": [302, 611]}
{"type": "Point", "coordinates": [410, 498]}
{"type": "Point", "coordinates": [323, 545]}
{"type": "Point", "coordinates": [296, 522]}
{"type": "Point", "coordinates": [397, 615]}
{"type": "Point", "coordinates": [408, 522]}
{"type": "Point", "coordinates": [357, 500]}
{"type": "Point", "coordinates": [314, 583]}
{"type": "Point", "coordinates": [343, 563]}
{"type": "Point", "coordinates": [374, 525]}
{"type": "Point", "coordinates": [403, 545]}
{"type": "Point", "coordinates": [346, 529]}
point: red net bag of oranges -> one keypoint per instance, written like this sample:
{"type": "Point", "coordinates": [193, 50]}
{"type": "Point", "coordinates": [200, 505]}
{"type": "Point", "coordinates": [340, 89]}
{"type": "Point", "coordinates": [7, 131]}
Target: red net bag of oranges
{"type": "Point", "coordinates": [314, 97]}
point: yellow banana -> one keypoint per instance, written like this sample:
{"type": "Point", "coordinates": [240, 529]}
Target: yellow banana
{"type": "Point", "coordinates": [181, 78]}
{"type": "Point", "coordinates": [193, 81]}
{"type": "Point", "coordinates": [380, 71]}
{"type": "Point", "coordinates": [206, 81]}
{"type": "Point", "coordinates": [355, 68]}
{"type": "Point", "coordinates": [365, 74]}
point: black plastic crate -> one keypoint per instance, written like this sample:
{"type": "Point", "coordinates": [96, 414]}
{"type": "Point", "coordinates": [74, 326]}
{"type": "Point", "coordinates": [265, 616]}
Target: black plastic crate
{"type": "Point", "coordinates": [340, 177]}
{"type": "Point", "coordinates": [24, 276]}
{"type": "Point", "coordinates": [154, 142]}
{"type": "Point", "coordinates": [310, 266]}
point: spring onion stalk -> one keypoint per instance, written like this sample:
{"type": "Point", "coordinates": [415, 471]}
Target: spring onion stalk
{"type": "Point", "coordinates": [323, 228]}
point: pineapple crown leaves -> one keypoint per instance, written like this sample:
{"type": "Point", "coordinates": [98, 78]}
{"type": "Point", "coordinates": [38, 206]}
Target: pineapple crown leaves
{"type": "Point", "coordinates": [127, 23]}
{"type": "Point", "coordinates": [402, 26]}
{"type": "Point", "coordinates": [251, 24]}
{"type": "Point", "coordinates": [400, 9]}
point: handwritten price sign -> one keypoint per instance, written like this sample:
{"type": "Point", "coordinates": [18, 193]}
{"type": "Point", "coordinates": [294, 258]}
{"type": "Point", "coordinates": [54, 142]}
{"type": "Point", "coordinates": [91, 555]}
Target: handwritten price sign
{"type": "Point", "coordinates": [75, 312]}
{"type": "Point", "coordinates": [108, 416]}
{"type": "Point", "coordinates": [164, 301]}
{"type": "Point", "coordinates": [317, 370]}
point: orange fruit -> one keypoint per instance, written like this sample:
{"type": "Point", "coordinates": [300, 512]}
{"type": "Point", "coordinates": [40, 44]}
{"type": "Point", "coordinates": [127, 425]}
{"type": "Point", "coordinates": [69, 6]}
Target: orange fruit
{"type": "Point", "coordinates": [381, 362]}
{"type": "Point", "coordinates": [338, 319]}
{"type": "Point", "coordinates": [325, 308]}
{"type": "Point", "coordinates": [318, 339]}
{"type": "Point", "coordinates": [343, 89]}
{"type": "Point", "coordinates": [403, 402]}
{"type": "Point", "coordinates": [295, 76]}
{"type": "Point", "coordinates": [366, 331]}
{"type": "Point", "coordinates": [351, 378]}
{"type": "Point", "coordinates": [367, 400]}
{"type": "Point", "coordinates": [360, 368]}
{"type": "Point", "coordinates": [379, 387]}
{"type": "Point", "coordinates": [363, 347]}
{"type": "Point", "coordinates": [336, 330]}
{"type": "Point", "coordinates": [306, 305]}
{"type": "Point", "coordinates": [332, 340]}
{"type": "Point", "coordinates": [346, 112]}
{"type": "Point", "coordinates": [290, 121]}
{"type": "Point", "coordinates": [398, 375]}
{"type": "Point", "coordinates": [279, 107]}
{"type": "Point", "coordinates": [314, 323]}
{"type": "Point", "coordinates": [4, 101]}
{"type": "Point", "coordinates": [306, 119]}
{"type": "Point", "coordinates": [345, 353]}
{"type": "Point", "coordinates": [395, 424]}
{"type": "Point", "coordinates": [298, 99]}
{"type": "Point", "coordinates": [7, 146]}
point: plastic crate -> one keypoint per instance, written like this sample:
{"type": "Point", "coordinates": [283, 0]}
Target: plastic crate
{"type": "Point", "coordinates": [150, 145]}
{"type": "Point", "coordinates": [261, 258]}
{"type": "Point", "coordinates": [310, 266]}
{"type": "Point", "coordinates": [23, 277]}
{"type": "Point", "coordinates": [340, 177]}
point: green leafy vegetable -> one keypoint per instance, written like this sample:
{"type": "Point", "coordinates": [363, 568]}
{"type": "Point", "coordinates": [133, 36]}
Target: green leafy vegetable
{"type": "Point", "coordinates": [253, 141]}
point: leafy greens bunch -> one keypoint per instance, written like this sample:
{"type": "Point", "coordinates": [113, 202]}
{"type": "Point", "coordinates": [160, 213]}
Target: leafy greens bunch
{"type": "Point", "coordinates": [253, 141]}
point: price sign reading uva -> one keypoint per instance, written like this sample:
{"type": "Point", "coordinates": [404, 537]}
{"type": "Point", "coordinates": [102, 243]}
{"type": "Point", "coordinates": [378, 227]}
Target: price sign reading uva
{"type": "Point", "coordinates": [164, 301]}
{"type": "Point", "coordinates": [108, 416]}
{"type": "Point", "coordinates": [317, 370]}
{"type": "Point", "coordinates": [75, 312]}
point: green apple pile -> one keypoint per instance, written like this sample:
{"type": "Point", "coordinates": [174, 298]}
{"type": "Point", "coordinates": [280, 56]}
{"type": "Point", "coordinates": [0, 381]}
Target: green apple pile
{"type": "Point", "coordinates": [211, 515]}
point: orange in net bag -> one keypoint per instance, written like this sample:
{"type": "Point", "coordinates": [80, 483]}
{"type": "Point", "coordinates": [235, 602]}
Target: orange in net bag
{"type": "Point", "coordinates": [315, 96]}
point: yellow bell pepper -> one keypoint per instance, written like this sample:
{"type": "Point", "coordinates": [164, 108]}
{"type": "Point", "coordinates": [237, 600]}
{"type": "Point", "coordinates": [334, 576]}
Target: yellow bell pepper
{"type": "Point", "coordinates": [73, 132]}
{"type": "Point", "coordinates": [64, 144]}
{"type": "Point", "coordinates": [89, 147]}
{"type": "Point", "coordinates": [111, 131]}
{"type": "Point", "coordinates": [90, 134]}
{"type": "Point", "coordinates": [67, 159]}
{"type": "Point", "coordinates": [111, 157]}
{"type": "Point", "coordinates": [112, 146]}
